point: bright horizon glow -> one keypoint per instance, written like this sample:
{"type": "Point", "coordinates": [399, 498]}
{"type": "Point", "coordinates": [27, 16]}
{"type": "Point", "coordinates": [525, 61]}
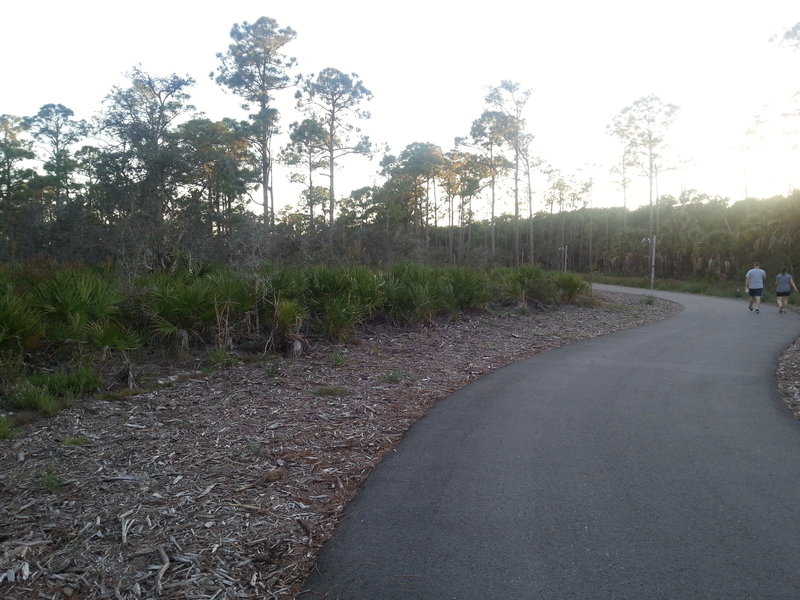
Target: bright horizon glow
{"type": "Point", "coordinates": [429, 65]}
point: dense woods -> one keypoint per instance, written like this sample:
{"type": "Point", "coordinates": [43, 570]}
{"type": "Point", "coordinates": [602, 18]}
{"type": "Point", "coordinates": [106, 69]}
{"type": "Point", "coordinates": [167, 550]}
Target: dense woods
{"type": "Point", "coordinates": [149, 183]}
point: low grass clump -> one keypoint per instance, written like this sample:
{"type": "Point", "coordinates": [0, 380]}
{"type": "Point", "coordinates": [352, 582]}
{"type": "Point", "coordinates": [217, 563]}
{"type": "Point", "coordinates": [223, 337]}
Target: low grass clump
{"type": "Point", "coordinates": [331, 391]}
{"type": "Point", "coordinates": [41, 394]}
{"type": "Point", "coordinates": [338, 357]}
{"type": "Point", "coordinates": [64, 385]}
{"type": "Point", "coordinates": [394, 376]}
{"type": "Point", "coordinates": [51, 480]}
{"type": "Point", "coordinates": [220, 357]}
{"type": "Point", "coordinates": [76, 441]}
{"type": "Point", "coordinates": [6, 428]}
{"type": "Point", "coordinates": [22, 396]}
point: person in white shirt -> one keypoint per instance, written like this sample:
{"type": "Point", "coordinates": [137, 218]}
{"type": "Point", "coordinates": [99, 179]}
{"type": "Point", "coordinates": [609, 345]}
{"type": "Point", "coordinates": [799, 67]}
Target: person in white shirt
{"type": "Point", "coordinates": [754, 285]}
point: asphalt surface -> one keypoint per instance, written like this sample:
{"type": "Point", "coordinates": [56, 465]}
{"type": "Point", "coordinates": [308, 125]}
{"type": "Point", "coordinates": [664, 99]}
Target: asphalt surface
{"type": "Point", "coordinates": [654, 463]}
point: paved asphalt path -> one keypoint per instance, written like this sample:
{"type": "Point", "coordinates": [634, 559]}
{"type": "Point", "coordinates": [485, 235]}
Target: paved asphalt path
{"type": "Point", "coordinates": [654, 463]}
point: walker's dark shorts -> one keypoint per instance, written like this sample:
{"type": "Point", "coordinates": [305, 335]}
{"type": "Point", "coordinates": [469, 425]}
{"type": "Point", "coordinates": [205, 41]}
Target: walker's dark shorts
{"type": "Point", "coordinates": [755, 292]}
{"type": "Point", "coordinates": [780, 294]}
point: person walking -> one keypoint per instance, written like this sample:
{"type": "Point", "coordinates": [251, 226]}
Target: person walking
{"type": "Point", "coordinates": [754, 285]}
{"type": "Point", "coordinates": [784, 284]}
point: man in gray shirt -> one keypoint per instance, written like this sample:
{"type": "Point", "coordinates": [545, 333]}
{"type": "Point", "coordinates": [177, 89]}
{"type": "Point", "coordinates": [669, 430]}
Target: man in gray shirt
{"type": "Point", "coordinates": [754, 285]}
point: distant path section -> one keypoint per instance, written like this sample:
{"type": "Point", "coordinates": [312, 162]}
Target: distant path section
{"type": "Point", "coordinates": [657, 463]}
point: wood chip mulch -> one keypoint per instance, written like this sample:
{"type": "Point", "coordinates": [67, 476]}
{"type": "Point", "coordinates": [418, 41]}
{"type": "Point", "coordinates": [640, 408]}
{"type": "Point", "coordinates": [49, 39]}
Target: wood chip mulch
{"type": "Point", "coordinates": [226, 485]}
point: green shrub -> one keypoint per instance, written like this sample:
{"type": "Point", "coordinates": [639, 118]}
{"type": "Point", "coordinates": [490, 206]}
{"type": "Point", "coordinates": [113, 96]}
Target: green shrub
{"type": "Point", "coordinates": [211, 305]}
{"type": "Point", "coordinates": [75, 309]}
{"type": "Point", "coordinates": [462, 289]}
{"type": "Point", "coordinates": [338, 358]}
{"type": "Point", "coordinates": [409, 301]}
{"type": "Point", "coordinates": [323, 282]}
{"type": "Point", "coordinates": [340, 298]}
{"type": "Point", "coordinates": [528, 283]}
{"type": "Point", "coordinates": [180, 308]}
{"type": "Point", "coordinates": [21, 327]}
{"type": "Point", "coordinates": [114, 336]}
{"type": "Point", "coordinates": [45, 394]}
{"type": "Point", "coordinates": [234, 292]}
{"type": "Point", "coordinates": [340, 316]}
{"type": "Point", "coordinates": [412, 272]}
{"type": "Point", "coordinates": [286, 320]}
{"type": "Point", "coordinates": [413, 293]}
{"type": "Point", "coordinates": [366, 286]}
{"type": "Point", "coordinates": [220, 357]}
{"type": "Point", "coordinates": [282, 283]}
{"type": "Point", "coordinates": [72, 303]}
{"type": "Point", "coordinates": [570, 287]}
{"type": "Point", "coordinates": [393, 376]}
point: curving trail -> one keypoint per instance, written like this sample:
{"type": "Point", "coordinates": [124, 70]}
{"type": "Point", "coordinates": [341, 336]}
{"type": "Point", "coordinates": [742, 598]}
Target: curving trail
{"type": "Point", "coordinates": [654, 463]}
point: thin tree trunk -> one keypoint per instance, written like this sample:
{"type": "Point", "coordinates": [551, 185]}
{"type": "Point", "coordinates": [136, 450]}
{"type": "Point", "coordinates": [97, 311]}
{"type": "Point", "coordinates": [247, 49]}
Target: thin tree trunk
{"type": "Point", "coordinates": [265, 184]}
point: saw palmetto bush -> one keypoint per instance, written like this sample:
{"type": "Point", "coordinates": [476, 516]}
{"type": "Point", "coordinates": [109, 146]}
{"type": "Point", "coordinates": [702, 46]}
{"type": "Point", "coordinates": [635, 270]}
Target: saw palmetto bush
{"type": "Point", "coordinates": [281, 310]}
{"type": "Point", "coordinates": [412, 293]}
{"type": "Point", "coordinates": [238, 294]}
{"type": "Point", "coordinates": [339, 316]}
{"type": "Point", "coordinates": [113, 336]}
{"type": "Point", "coordinates": [70, 314]}
{"type": "Point", "coordinates": [236, 298]}
{"type": "Point", "coordinates": [178, 309]}
{"type": "Point", "coordinates": [61, 318]}
{"type": "Point", "coordinates": [525, 284]}
{"type": "Point", "coordinates": [207, 306]}
{"type": "Point", "coordinates": [366, 285]}
{"type": "Point", "coordinates": [286, 321]}
{"type": "Point", "coordinates": [76, 306]}
{"type": "Point", "coordinates": [281, 282]}
{"type": "Point", "coordinates": [21, 327]}
{"type": "Point", "coordinates": [571, 287]}
{"type": "Point", "coordinates": [462, 289]}
{"type": "Point", "coordinates": [340, 298]}
{"type": "Point", "coordinates": [76, 309]}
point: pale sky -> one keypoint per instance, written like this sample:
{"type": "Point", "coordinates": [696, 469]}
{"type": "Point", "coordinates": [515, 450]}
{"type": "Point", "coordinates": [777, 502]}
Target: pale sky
{"type": "Point", "coordinates": [429, 64]}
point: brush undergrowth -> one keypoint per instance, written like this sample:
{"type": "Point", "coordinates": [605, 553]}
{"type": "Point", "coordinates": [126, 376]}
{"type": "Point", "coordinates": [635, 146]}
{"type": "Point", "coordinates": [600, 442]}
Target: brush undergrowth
{"type": "Point", "coordinates": [60, 327]}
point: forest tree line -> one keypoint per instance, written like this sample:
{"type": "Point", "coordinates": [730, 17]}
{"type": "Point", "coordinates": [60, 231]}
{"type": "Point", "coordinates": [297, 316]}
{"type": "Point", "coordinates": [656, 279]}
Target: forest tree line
{"type": "Point", "coordinates": [149, 182]}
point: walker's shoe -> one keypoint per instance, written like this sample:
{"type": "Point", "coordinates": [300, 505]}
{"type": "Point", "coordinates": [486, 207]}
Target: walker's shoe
{"type": "Point", "coordinates": [750, 307]}
{"type": "Point", "coordinates": [756, 310]}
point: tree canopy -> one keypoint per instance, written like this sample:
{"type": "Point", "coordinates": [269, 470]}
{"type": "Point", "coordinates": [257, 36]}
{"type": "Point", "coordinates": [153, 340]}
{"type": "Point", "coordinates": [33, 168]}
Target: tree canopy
{"type": "Point", "coordinates": [151, 181]}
